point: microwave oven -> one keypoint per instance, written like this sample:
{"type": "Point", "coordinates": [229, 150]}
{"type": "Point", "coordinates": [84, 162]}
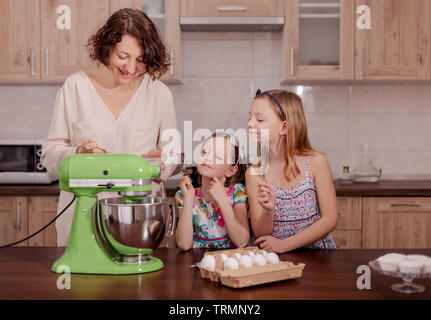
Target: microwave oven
{"type": "Point", "coordinates": [20, 163]}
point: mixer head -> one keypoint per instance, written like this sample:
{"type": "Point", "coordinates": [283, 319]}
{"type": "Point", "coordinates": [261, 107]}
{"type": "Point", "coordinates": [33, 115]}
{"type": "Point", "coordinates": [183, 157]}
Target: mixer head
{"type": "Point", "coordinates": [90, 174]}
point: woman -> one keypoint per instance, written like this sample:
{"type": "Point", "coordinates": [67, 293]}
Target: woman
{"type": "Point", "coordinates": [119, 107]}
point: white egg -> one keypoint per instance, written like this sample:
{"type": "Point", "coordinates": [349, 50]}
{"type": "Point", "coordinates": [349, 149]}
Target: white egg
{"type": "Point", "coordinates": [251, 254]}
{"type": "Point", "coordinates": [223, 257]}
{"type": "Point", "coordinates": [237, 256]}
{"type": "Point", "coordinates": [259, 260]}
{"type": "Point", "coordinates": [246, 261]}
{"type": "Point", "coordinates": [208, 262]}
{"type": "Point", "coordinates": [272, 257]}
{"type": "Point", "coordinates": [263, 252]}
{"type": "Point", "coordinates": [231, 263]}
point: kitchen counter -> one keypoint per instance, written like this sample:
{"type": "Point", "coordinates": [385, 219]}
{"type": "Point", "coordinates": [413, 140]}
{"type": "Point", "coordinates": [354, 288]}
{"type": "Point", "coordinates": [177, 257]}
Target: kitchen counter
{"type": "Point", "coordinates": [387, 188]}
{"type": "Point", "coordinates": [25, 274]}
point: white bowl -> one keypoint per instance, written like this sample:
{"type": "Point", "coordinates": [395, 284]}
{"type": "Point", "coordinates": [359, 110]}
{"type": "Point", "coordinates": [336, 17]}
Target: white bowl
{"type": "Point", "coordinates": [411, 266]}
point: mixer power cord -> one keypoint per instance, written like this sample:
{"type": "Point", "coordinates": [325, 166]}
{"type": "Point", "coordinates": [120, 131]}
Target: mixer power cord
{"type": "Point", "coordinates": [40, 230]}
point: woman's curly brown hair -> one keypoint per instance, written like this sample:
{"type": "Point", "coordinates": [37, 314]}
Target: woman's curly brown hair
{"type": "Point", "coordinates": [137, 24]}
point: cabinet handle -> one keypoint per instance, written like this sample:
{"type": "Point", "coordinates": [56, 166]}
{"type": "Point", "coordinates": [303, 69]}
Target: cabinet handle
{"type": "Point", "coordinates": [231, 8]}
{"type": "Point", "coordinates": [18, 214]}
{"type": "Point", "coordinates": [171, 68]}
{"type": "Point", "coordinates": [32, 61]}
{"type": "Point", "coordinates": [362, 61]}
{"type": "Point", "coordinates": [405, 205]}
{"type": "Point", "coordinates": [292, 60]}
{"type": "Point", "coordinates": [46, 61]}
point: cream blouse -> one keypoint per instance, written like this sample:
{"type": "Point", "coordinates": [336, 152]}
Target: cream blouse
{"type": "Point", "coordinates": [80, 114]}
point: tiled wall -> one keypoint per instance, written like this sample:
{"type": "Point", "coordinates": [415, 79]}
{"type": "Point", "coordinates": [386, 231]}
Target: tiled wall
{"type": "Point", "coordinates": [220, 74]}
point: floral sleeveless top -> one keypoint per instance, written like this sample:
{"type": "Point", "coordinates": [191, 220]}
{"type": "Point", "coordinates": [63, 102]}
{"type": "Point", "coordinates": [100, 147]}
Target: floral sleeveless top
{"type": "Point", "coordinates": [208, 224]}
{"type": "Point", "coordinates": [297, 208]}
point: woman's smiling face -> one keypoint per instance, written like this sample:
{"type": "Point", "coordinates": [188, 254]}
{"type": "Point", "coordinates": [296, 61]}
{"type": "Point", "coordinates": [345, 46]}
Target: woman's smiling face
{"type": "Point", "coordinates": [125, 60]}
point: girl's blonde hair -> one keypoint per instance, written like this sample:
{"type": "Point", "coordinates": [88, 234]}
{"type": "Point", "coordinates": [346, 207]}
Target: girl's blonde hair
{"type": "Point", "coordinates": [288, 106]}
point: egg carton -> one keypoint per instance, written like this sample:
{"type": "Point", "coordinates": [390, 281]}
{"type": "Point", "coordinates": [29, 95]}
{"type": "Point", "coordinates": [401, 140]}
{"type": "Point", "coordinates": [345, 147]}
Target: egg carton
{"type": "Point", "coordinates": [246, 277]}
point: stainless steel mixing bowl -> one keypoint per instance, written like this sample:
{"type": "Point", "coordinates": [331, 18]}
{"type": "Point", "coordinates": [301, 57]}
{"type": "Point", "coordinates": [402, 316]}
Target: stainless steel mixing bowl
{"type": "Point", "coordinates": [141, 224]}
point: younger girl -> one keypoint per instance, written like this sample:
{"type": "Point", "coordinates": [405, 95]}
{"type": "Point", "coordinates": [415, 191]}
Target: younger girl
{"type": "Point", "coordinates": [294, 204]}
{"type": "Point", "coordinates": [214, 215]}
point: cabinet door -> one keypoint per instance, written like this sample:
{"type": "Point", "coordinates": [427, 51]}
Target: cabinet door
{"type": "Point", "coordinates": [397, 222]}
{"type": "Point", "coordinates": [13, 220]}
{"type": "Point", "coordinates": [347, 235]}
{"type": "Point", "coordinates": [397, 44]}
{"type": "Point", "coordinates": [318, 40]}
{"type": "Point", "coordinates": [42, 209]}
{"type": "Point", "coordinates": [19, 36]}
{"type": "Point", "coordinates": [229, 8]}
{"type": "Point", "coordinates": [165, 15]}
{"type": "Point", "coordinates": [63, 51]}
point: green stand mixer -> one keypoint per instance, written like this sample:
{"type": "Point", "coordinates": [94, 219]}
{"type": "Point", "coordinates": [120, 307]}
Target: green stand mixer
{"type": "Point", "coordinates": [114, 235]}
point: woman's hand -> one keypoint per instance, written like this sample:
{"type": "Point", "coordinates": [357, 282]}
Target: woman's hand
{"type": "Point", "coordinates": [217, 190]}
{"type": "Point", "coordinates": [90, 146]}
{"type": "Point", "coordinates": [271, 244]}
{"type": "Point", "coordinates": [187, 189]}
{"type": "Point", "coordinates": [266, 196]}
{"type": "Point", "coordinates": [155, 154]}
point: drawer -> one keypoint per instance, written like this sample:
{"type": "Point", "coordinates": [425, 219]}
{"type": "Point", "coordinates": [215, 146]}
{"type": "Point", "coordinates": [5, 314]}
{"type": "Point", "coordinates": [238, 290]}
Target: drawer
{"type": "Point", "coordinates": [232, 8]}
{"type": "Point", "coordinates": [404, 204]}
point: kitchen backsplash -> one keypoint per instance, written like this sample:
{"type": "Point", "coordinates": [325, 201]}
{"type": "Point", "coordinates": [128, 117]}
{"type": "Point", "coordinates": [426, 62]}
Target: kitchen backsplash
{"type": "Point", "coordinates": [222, 71]}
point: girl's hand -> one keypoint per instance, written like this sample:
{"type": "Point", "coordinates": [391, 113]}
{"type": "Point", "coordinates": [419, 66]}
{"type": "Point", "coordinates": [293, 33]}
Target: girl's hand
{"type": "Point", "coordinates": [266, 196]}
{"type": "Point", "coordinates": [187, 189]}
{"type": "Point", "coordinates": [271, 244]}
{"type": "Point", "coordinates": [90, 146]}
{"type": "Point", "coordinates": [217, 190]}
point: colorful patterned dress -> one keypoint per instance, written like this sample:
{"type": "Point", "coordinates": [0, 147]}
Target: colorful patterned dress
{"type": "Point", "coordinates": [208, 224]}
{"type": "Point", "coordinates": [297, 208]}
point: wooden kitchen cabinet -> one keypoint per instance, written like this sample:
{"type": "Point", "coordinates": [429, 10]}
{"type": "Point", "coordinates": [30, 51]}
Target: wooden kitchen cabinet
{"type": "Point", "coordinates": [41, 210]}
{"type": "Point", "coordinates": [231, 8]}
{"type": "Point", "coordinates": [63, 51]}
{"type": "Point", "coordinates": [318, 40]}
{"type": "Point", "coordinates": [347, 235]}
{"type": "Point", "coordinates": [397, 46]}
{"type": "Point", "coordinates": [396, 222]}
{"type": "Point", "coordinates": [166, 17]}
{"type": "Point", "coordinates": [19, 36]}
{"type": "Point", "coordinates": [13, 219]}
{"type": "Point", "coordinates": [37, 39]}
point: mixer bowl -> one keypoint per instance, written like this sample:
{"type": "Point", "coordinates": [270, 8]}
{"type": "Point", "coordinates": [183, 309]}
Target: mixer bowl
{"type": "Point", "coordinates": [141, 224]}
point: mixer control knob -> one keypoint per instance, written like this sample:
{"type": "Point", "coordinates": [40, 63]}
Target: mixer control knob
{"type": "Point", "coordinates": [109, 185]}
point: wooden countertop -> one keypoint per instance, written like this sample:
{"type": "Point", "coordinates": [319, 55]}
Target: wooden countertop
{"type": "Point", "coordinates": [387, 188]}
{"type": "Point", "coordinates": [25, 273]}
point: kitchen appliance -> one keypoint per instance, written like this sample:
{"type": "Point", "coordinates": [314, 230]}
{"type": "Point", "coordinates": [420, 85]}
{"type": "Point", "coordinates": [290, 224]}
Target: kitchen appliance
{"type": "Point", "coordinates": [20, 163]}
{"type": "Point", "coordinates": [114, 235]}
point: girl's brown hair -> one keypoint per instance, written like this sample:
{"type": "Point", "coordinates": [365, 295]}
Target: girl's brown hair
{"type": "Point", "coordinates": [239, 176]}
{"type": "Point", "coordinates": [135, 23]}
{"type": "Point", "coordinates": [297, 142]}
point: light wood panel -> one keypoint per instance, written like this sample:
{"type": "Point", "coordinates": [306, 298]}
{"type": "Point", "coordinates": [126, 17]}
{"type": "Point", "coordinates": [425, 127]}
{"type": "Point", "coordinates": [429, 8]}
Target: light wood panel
{"type": "Point", "coordinates": [347, 239]}
{"type": "Point", "coordinates": [42, 209]}
{"type": "Point", "coordinates": [396, 222]}
{"type": "Point", "coordinates": [13, 219]}
{"type": "Point", "coordinates": [20, 39]}
{"type": "Point", "coordinates": [398, 44]}
{"type": "Point", "coordinates": [63, 51]}
{"type": "Point", "coordinates": [239, 8]}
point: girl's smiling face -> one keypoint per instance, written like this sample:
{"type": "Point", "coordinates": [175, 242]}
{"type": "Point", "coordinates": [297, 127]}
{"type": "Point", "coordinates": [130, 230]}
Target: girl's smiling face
{"type": "Point", "coordinates": [264, 122]}
{"type": "Point", "coordinates": [125, 60]}
{"type": "Point", "coordinates": [215, 159]}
